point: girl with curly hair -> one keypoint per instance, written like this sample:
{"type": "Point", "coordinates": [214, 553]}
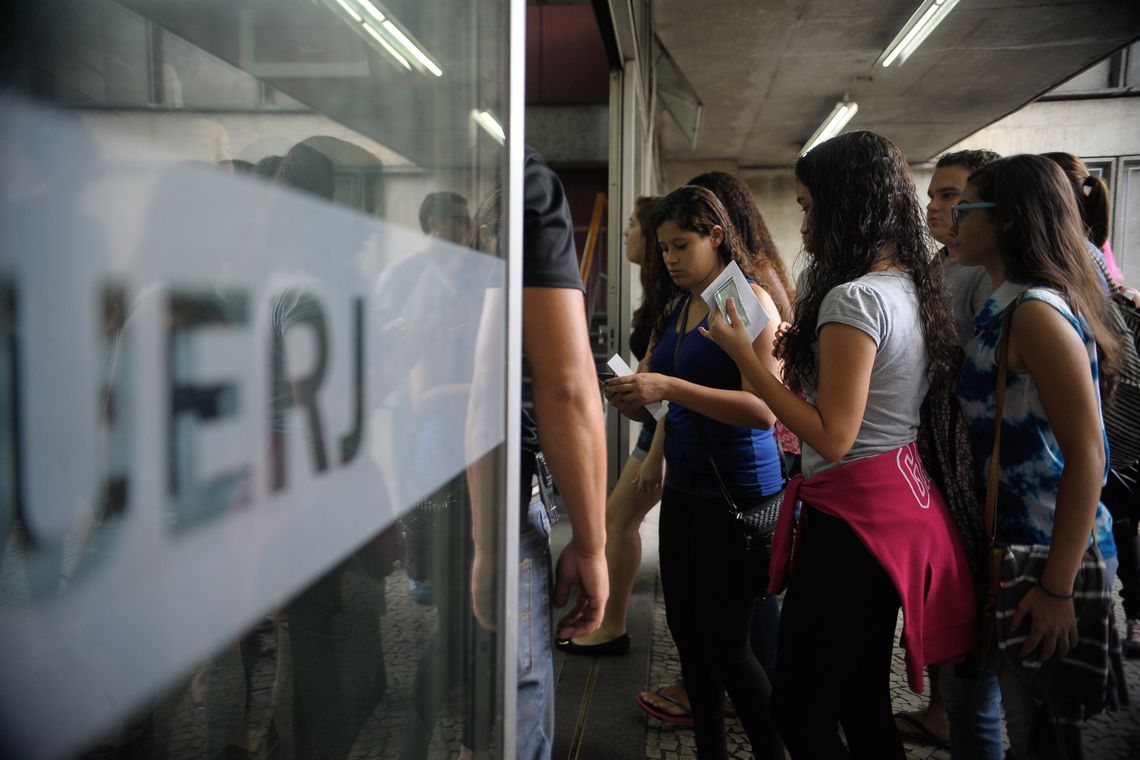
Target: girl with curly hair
{"type": "Point", "coordinates": [872, 331]}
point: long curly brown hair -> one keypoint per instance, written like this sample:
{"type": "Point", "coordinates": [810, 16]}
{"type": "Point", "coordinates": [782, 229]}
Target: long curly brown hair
{"type": "Point", "coordinates": [864, 198]}
{"type": "Point", "coordinates": [733, 192]}
{"type": "Point", "coordinates": [695, 209]}
{"type": "Point", "coordinates": [1041, 236]}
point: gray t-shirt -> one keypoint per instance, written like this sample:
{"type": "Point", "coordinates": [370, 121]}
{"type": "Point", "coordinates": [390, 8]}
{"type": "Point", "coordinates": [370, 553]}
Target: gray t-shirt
{"type": "Point", "coordinates": [970, 288]}
{"type": "Point", "coordinates": [885, 306]}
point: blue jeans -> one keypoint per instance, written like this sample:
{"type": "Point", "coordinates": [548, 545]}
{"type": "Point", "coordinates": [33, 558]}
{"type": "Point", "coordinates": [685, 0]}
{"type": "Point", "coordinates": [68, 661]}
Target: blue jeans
{"type": "Point", "coordinates": [974, 707]}
{"type": "Point", "coordinates": [535, 652]}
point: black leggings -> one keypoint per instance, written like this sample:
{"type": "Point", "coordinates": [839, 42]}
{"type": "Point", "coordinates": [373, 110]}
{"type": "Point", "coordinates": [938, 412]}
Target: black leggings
{"type": "Point", "coordinates": [709, 604]}
{"type": "Point", "coordinates": [833, 664]}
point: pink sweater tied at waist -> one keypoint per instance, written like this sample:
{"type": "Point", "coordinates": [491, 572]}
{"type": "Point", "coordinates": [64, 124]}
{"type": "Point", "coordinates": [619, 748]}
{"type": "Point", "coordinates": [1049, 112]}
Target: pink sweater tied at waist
{"type": "Point", "coordinates": [901, 517]}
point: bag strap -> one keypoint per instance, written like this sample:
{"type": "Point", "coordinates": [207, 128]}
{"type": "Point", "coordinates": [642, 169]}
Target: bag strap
{"type": "Point", "coordinates": [736, 512]}
{"type": "Point", "coordinates": [999, 408]}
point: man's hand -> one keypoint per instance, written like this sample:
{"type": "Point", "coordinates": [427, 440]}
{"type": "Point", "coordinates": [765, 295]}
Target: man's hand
{"type": "Point", "coordinates": [1052, 624]}
{"type": "Point", "coordinates": [587, 572]}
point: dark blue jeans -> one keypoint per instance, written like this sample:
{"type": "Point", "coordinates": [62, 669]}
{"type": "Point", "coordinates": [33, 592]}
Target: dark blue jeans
{"type": "Point", "coordinates": [535, 723]}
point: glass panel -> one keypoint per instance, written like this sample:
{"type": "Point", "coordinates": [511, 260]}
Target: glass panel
{"type": "Point", "coordinates": [1096, 77]}
{"type": "Point", "coordinates": [251, 342]}
{"type": "Point", "coordinates": [1126, 246]}
{"type": "Point", "coordinates": [1132, 69]}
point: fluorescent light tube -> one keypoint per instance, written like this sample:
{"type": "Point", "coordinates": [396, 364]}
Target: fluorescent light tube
{"type": "Point", "coordinates": [921, 23]}
{"type": "Point", "coordinates": [488, 122]}
{"type": "Point", "coordinates": [350, 11]}
{"type": "Point", "coordinates": [382, 29]}
{"type": "Point", "coordinates": [412, 48]}
{"type": "Point", "coordinates": [391, 50]}
{"type": "Point", "coordinates": [371, 10]}
{"type": "Point", "coordinates": [843, 112]}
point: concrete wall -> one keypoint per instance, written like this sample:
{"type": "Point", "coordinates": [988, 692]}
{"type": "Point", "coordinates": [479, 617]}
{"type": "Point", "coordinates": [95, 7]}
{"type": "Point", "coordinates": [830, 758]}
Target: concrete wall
{"type": "Point", "coordinates": [1108, 127]}
{"type": "Point", "coordinates": [1088, 128]}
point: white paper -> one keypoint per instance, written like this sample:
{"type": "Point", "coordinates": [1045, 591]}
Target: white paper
{"type": "Point", "coordinates": [731, 282]}
{"type": "Point", "coordinates": [621, 369]}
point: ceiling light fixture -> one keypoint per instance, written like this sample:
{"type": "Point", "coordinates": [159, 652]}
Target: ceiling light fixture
{"type": "Point", "coordinates": [350, 11]}
{"type": "Point", "coordinates": [412, 48]}
{"type": "Point", "coordinates": [921, 23]}
{"type": "Point", "coordinates": [489, 124]}
{"type": "Point", "coordinates": [371, 10]}
{"type": "Point", "coordinates": [387, 47]}
{"type": "Point", "coordinates": [385, 31]}
{"type": "Point", "coordinates": [842, 113]}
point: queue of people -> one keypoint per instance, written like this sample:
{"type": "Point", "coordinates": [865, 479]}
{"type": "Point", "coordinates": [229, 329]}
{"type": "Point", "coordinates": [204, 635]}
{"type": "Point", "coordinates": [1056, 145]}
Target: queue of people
{"type": "Point", "coordinates": [1013, 315]}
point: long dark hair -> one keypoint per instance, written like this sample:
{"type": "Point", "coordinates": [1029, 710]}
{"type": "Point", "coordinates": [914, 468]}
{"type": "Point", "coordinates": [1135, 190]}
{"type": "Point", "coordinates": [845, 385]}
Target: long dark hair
{"type": "Point", "coordinates": [1091, 194]}
{"type": "Point", "coordinates": [695, 209]}
{"type": "Point", "coordinates": [647, 312]}
{"type": "Point", "coordinates": [733, 192]}
{"type": "Point", "coordinates": [863, 198]}
{"type": "Point", "coordinates": [1041, 237]}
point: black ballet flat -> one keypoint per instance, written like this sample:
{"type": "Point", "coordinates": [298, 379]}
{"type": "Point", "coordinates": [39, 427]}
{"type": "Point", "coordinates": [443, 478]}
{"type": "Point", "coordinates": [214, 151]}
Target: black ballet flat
{"type": "Point", "coordinates": [618, 646]}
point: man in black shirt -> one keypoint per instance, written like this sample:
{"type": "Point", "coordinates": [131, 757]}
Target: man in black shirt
{"type": "Point", "coordinates": [568, 427]}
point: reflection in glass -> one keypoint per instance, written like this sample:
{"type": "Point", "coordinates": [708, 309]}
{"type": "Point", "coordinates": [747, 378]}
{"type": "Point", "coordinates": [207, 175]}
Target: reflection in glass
{"type": "Point", "coordinates": [240, 296]}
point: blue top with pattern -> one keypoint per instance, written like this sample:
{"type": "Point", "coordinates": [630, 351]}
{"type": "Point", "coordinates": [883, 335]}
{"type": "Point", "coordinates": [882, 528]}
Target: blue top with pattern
{"type": "Point", "coordinates": [1031, 460]}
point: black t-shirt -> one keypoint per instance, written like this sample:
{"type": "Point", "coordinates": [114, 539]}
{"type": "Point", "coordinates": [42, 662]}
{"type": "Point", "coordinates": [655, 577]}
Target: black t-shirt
{"type": "Point", "coordinates": [550, 260]}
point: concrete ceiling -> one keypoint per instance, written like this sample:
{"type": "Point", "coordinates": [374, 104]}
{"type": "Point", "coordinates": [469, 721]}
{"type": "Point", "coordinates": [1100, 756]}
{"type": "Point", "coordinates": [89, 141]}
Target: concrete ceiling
{"type": "Point", "coordinates": [769, 71]}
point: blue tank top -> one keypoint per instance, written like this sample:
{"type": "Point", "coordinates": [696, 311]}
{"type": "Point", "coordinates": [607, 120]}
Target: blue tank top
{"type": "Point", "coordinates": [748, 458]}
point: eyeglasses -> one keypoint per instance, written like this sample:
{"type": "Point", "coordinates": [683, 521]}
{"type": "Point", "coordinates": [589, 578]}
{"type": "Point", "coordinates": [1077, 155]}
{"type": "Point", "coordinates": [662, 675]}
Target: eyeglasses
{"type": "Point", "coordinates": [959, 211]}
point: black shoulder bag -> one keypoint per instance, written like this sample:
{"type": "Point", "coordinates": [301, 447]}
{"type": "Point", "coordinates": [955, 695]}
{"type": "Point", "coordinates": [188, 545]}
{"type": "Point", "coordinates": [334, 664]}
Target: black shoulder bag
{"type": "Point", "coordinates": [755, 520]}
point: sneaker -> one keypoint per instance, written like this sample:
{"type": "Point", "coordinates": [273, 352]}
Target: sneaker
{"type": "Point", "coordinates": [1132, 638]}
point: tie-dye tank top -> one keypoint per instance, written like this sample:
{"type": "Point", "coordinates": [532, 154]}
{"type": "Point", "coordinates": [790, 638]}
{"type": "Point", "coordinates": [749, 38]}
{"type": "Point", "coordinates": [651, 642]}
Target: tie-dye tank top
{"type": "Point", "coordinates": [1031, 460]}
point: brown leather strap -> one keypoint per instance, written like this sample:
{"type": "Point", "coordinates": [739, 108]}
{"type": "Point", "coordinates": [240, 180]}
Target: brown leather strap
{"type": "Point", "coordinates": [999, 408]}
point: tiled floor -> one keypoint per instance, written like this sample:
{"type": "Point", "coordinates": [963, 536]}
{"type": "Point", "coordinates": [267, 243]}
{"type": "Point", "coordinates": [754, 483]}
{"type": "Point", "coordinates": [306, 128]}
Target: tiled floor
{"type": "Point", "coordinates": [1113, 736]}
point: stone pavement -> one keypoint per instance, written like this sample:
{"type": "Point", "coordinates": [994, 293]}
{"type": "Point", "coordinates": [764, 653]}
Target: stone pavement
{"type": "Point", "coordinates": [1112, 736]}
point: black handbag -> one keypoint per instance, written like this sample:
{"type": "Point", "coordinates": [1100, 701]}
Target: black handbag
{"type": "Point", "coordinates": [755, 519]}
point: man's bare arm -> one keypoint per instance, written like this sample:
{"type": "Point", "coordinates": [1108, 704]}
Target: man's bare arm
{"type": "Point", "coordinates": [572, 433]}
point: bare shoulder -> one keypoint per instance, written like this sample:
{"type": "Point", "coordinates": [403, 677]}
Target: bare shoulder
{"type": "Point", "coordinates": [1041, 333]}
{"type": "Point", "coordinates": [767, 302]}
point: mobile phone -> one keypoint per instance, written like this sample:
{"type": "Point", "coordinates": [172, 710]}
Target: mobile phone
{"type": "Point", "coordinates": [606, 374]}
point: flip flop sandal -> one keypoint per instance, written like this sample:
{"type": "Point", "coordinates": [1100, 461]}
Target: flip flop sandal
{"type": "Point", "coordinates": [683, 718]}
{"type": "Point", "coordinates": [917, 732]}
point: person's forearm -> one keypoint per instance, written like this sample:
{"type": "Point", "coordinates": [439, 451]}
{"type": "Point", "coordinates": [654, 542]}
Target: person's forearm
{"type": "Point", "coordinates": [657, 447]}
{"type": "Point", "coordinates": [577, 458]}
{"type": "Point", "coordinates": [798, 415]}
{"type": "Point", "coordinates": [482, 476]}
{"type": "Point", "coordinates": [727, 406]}
{"type": "Point", "coordinates": [1077, 496]}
